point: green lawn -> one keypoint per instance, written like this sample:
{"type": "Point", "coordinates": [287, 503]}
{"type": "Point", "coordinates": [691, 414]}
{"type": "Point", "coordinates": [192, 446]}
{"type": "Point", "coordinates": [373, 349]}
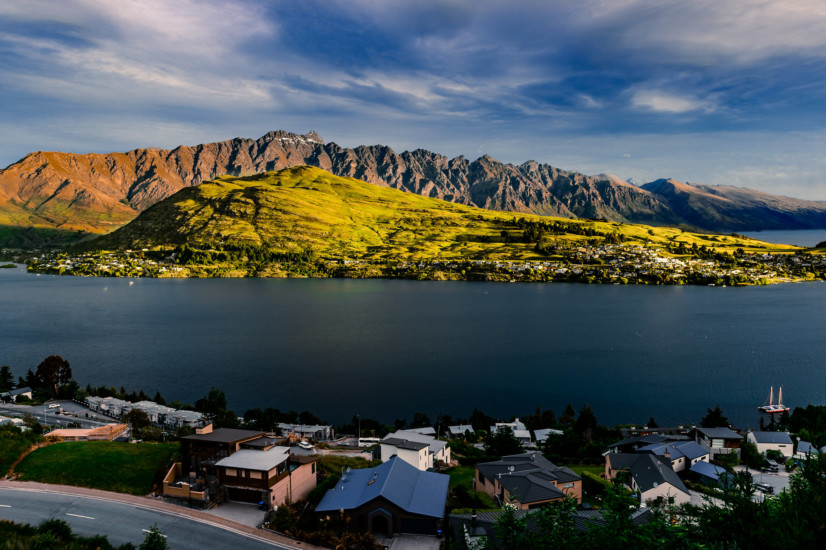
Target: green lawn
{"type": "Point", "coordinates": [463, 497]}
{"type": "Point", "coordinates": [108, 465]}
{"type": "Point", "coordinates": [595, 469]}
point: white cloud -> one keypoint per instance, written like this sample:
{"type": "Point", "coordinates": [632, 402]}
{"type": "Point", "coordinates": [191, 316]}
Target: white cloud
{"type": "Point", "coordinates": [663, 102]}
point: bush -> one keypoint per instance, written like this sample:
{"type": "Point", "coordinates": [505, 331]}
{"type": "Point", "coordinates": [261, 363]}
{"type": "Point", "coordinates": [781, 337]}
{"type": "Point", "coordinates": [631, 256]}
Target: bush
{"type": "Point", "coordinates": [593, 484]}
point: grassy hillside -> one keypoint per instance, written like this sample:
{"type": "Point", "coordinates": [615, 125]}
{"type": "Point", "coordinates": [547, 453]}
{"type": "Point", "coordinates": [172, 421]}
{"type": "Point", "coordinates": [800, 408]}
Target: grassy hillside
{"type": "Point", "coordinates": [306, 208]}
{"type": "Point", "coordinates": [107, 465]}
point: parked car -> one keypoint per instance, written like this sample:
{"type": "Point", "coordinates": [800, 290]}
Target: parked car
{"type": "Point", "coordinates": [764, 488]}
{"type": "Point", "coordinates": [305, 445]}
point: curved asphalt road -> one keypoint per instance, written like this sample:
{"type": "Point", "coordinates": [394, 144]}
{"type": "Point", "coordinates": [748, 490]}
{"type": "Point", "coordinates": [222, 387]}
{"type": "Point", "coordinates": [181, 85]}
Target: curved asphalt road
{"type": "Point", "coordinates": [124, 522]}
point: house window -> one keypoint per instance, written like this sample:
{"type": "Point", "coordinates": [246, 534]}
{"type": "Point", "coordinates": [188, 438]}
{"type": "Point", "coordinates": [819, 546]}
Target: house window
{"type": "Point", "coordinates": [313, 467]}
{"type": "Point", "coordinates": [567, 485]}
{"type": "Point", "coordinates": [230, 471]}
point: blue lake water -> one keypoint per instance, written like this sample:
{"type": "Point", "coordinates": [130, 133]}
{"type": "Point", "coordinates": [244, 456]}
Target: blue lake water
{"type": "Point", "coordinates": [389, 348]}
{"type": "Point", "coordinates": [801, 237]}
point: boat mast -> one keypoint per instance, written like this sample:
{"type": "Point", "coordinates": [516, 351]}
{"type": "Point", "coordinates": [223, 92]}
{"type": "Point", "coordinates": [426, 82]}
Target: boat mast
{"type": "Point", "coordinates": [771, 396]}
{"type": "Point", "coordinates": [780, 397]}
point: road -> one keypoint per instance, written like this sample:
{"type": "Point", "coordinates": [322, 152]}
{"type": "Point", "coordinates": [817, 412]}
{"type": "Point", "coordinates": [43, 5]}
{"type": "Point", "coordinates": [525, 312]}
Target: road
{"type": "Point", "coordinates": [124, 522]}
{"type": "Point", "coordinates": [51, 418]}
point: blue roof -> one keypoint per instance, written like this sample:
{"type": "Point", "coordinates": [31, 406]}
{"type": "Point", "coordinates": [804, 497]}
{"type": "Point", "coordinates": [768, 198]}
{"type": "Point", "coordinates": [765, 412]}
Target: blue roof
{"type": "Point", "coordinates": [417, 492]}
{"type": "Point", "coordinates": [708, 470]}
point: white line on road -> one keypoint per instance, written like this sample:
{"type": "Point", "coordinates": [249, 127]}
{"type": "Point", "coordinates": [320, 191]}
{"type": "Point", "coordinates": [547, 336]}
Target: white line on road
{"type": "Point", "coordinates": [148, 531]}
{"type": "Point", "coordinates": [78, 516]}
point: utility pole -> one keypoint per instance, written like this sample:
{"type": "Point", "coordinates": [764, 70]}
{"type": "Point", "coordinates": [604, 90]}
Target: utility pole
{"type": "Point", "coordinates": [358, 441]}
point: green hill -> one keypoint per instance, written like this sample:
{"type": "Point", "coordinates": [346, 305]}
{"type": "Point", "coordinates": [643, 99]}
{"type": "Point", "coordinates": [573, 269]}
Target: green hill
{"type": "Point", "coordinates": [307, 209]}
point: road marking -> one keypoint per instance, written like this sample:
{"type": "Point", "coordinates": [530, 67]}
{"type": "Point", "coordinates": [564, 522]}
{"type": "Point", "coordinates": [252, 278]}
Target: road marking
{"type": "Point", "coordinates": [78, 516]}
{"type": "Point", "coordinates": [148, 531]}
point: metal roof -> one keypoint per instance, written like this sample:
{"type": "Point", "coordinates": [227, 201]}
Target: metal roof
{"type": "Point", "coordinates": [224, 435]}
{"type": "Point", "coordinates": [708, 470]}
{"type": "Point", "coordinates": [804, 447]}
{"type": "Point", "coordinates": [404, 443]}
{"type": "Point", "coordinates": [528, 476]}
{"type": "Point", "coordinates": [249, 459]}
{"type": "Point", "coordinates": [779, 438]}
{"type": "Point", "coordinates": [416, 492]}
{"type": "Point", "coordinates": [460, 429]}
{"type": "Point", "coordinates": [408, 435]}
{"type": "Point", "coordinates": [720, 433]}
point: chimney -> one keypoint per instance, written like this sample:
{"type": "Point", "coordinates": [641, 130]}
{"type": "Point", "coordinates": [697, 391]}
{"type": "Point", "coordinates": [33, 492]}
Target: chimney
{"type": "Point", "coordinates": [203, 430]}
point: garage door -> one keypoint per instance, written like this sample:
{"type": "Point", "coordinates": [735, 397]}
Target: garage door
{"type": "Point", "coordinates": [243, 495]}
{"type": "Point", "coordinates": [418, 526]}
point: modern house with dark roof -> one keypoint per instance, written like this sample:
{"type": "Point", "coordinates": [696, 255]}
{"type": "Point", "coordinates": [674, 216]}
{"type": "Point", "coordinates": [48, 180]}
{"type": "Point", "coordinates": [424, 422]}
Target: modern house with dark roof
{"type": "Point", "coordinates": [772, 441]}
{"type": "Point", "coordinates": [718, 441]}
{"type": "Point", "coordinates": [207, 446]}
{"type": "Point", "coordinates": [805, 450]}
{"type": "Point", "coordinates": [271, 476]}
{"type": "Point", "coordinates": [527, 481]}
{"type": "Point", "coordinates": [649, 474]}
{"type": "Point", "coordinates": [419, 450]}
{"type": "Point", "coordinates": [394, 497]}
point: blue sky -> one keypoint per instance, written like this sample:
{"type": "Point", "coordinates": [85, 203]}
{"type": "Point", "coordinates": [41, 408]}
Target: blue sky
{"type": "Point", "coordinates": [705, 91]}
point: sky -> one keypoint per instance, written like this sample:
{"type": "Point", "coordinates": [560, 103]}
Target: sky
{"type": "Point", "coordinates": [724, 93]}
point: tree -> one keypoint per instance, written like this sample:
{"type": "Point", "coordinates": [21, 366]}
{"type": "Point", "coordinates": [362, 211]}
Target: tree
{"type": "Point", "coordinates": [6, 378]}
{"type": "Point", "coordinates": [714, 419]}
{"type": "Point", "coordinates": [652, 423]}
{"type": "Point", "coordinates": [137, 418]}
{"type": "Point", "coordinates": [750, 456]}
{"type": "Point", "coordinates": [154, 540]}
{"type": "Point", "coordinates": [502, 443]}
{"type": "Point", "coordinates": [53, 371]}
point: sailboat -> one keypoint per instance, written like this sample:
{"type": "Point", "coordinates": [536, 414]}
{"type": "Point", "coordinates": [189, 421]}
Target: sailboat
{"type": "Point", "coordinates": [772, 407]}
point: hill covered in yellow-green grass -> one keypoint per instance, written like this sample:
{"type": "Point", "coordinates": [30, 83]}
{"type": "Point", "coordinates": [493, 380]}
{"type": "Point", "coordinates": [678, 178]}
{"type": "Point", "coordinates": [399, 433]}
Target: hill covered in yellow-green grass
{"type": "Point", "coordinates": [306, 208]}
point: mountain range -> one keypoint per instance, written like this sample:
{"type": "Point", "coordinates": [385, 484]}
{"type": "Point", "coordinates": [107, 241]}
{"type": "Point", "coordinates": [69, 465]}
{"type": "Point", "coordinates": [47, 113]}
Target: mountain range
{"type": "Point", "coordinates": [100, 192]}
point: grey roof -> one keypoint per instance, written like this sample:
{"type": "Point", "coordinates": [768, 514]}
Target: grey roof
{"type": "Point", "coordinates": [404, 443]}
{"type": "Point", "coordinates": [805, 447]}
{"type": "Point", "coordinates": [780, 438]}
{"type": "Point", "coordinates": [687, 449]}
{"type": "Point", "coordinates": [408, 435]}
{"type": "Point", "coordinates": [648, 470]}
{"type": "Point", "coordinates": [417, 492]}
{"type": "Point", "coordinates": [640, 440]}
{"type": "Point", "coordinates": [708, 470]}
{"type": "Point", "coordinates": [720, 433]}
{"type": "Point", "coordinates": [250, 459]}
{"type": "Point", "coordinates": [263, 441]}
{"type": "Point", "coordinates": [460, 429]}
{"type": "Point", "coordinates": [224, 435]}
{"type": "Point", "coordinates": [542, 435]}
{"type": "Point", "coordinates": [429, 430]}
{"type": "Point", "coordinates": [528, 476]}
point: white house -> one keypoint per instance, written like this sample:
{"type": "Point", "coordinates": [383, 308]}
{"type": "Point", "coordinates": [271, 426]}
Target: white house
{"type": "Point", "coordinates": [519, 430]}
{"type": "Point", "coordinates": [421, 451]}
{"type": "Point", "coordinates": [772, 441]}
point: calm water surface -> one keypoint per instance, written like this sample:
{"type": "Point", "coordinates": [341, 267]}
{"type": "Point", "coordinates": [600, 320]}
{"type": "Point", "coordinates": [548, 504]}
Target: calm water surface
{"type": "Point", "coordinates": [387, 348]}
{"type": "Point", "coordinates": [800, 237]}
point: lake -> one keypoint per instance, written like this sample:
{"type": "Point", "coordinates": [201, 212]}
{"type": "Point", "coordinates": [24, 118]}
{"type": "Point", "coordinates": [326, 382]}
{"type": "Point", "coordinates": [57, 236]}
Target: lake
{"type": "Point", "coordinates": [389, 348]}
{"type": "Point", "coordinates": [799, 237]}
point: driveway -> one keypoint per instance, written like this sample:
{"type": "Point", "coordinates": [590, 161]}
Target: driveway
{"type": "Point", "coordinates": [411, 542]}
{"type": "Point", "coordinates": [239, 512]}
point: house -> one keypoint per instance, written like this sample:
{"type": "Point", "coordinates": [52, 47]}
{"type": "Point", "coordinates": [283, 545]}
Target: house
{"type": "Point", "coordinates": [649, 474]}
{"type": "Point", "coordinates": [421, 451]}
{"type": "Point", "coordinates": [805, 450]}
{"type": "Point", "coordinates": [708, 474]}
{"type": "Point", "coordinates": [527, 480]}
{"type": "Point", "coordinates": [718, 441]}
{"type": "Point", "coordinates": [542, 435]}
{"type": "Point", "coordinates": [271, 476]}
{"type": "Point", "coordinates": [13, 395]}
{"type": "Point", "coordinates": [108, 432]}
{"type": "Point", "coordinates": [681, 454]}
{"type": "Point", "coordinates": [460, 431]}
{"type": "Point", "coordinates": [519, 430]}
{"type": "Point", "coordinates": [313, 431]}
{"type": "Point", "coordinates": [631, 444]}
{"type": "Point", "coordinates": [428, 430]}
{"type": "Point", "coordinates": [207, 446]}
{"type": "Point", "coordinates": [772, 441]}
{"type": "Point", "coordinates": [394, 497]}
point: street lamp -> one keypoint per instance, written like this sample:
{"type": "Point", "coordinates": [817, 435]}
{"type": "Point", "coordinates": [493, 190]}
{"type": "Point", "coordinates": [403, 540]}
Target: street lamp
{"type": "Point", "coordinates": [358, 441]}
